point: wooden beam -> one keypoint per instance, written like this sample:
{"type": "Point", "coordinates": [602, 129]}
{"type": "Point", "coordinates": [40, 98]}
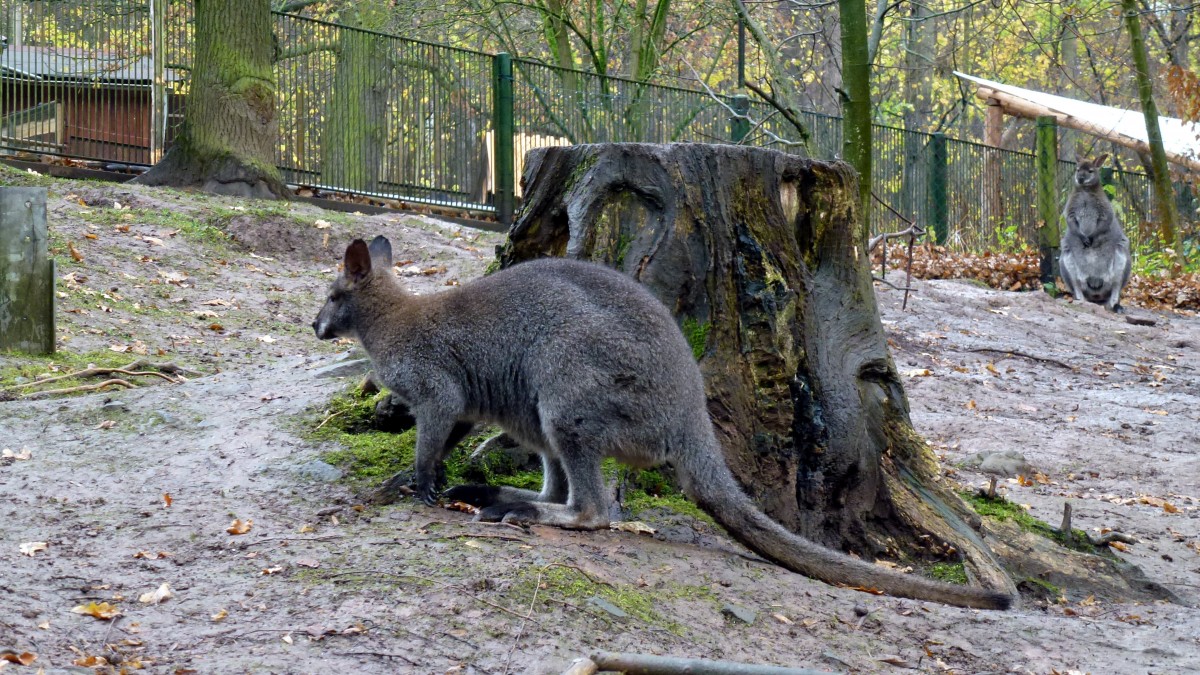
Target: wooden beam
{"type": "Point", "coordinates": [1021, 108]}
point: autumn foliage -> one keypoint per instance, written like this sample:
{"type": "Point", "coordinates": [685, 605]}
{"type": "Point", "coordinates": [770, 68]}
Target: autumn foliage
{"type": "Point", "coordinates": [1019, 271]}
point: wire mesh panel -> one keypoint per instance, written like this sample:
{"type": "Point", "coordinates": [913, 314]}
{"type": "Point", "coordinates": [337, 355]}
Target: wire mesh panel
{"type": "Point", "coordinates": [557, 106]}
{"type": "Point", "coordinates": [372, 113]}
{"type": "Point", "coordinates": [76, 79]}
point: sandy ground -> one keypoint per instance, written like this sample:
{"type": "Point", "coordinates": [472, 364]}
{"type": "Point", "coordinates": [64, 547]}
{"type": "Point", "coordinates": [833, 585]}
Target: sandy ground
{"type": "Point", "coordinates": [323, 584]}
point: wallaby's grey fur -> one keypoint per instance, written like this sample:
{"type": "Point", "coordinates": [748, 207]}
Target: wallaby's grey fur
{"type": "Point", "coordinates": [1094, 262]}
{"type": "Point", "coordinates": [579, 362]}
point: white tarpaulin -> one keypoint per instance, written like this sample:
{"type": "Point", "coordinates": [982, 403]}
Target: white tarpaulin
{"type": "Point", "coordinates": [1181, 140]}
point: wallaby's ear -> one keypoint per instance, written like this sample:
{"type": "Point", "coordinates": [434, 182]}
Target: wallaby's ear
{"type": "Point", "coordinates": [357, 264]}
{"type": "Point", "coordinates": [381, 252]}
{"type": "Point", "coordinates": [1100, 160]}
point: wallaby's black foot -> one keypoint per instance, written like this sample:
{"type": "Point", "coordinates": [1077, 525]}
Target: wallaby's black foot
{"type": "Point", "coordinates": [477, 494]}
{"type": "Point", "coordinates": [393, 489]}
{"type": "Point", "coordinates": [515, 513]}
{"type": "Point", "coordinates": [1117, 309]}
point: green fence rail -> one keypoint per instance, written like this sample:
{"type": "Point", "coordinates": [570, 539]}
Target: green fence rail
{"type": "Point", "coordinates": [376, 114]}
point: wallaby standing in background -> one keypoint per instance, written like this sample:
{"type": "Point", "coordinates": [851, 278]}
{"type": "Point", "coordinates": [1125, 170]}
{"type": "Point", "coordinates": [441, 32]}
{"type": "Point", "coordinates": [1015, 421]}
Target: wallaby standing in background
{"type": "Point", "coordinates": [578, 362]}
{"type": "Point", "coordinates": [1095, 262]}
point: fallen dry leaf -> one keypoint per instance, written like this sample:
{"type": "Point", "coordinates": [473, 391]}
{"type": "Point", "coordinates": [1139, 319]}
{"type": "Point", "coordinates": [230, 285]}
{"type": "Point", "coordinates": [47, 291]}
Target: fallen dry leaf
{"type": "Point", "coordinates": [1120, 546]}
{"type": "Point", "coordinates": [99, 610]}
{"type": "Point", "coordinates": [163, 592]}
{"type": "Point", "coordinates": [91, 661]}
{"type": "Point", "coordinates": [107, 424]}
{"type": "Point", "coordinates": [219, 616]}
{"type": "Point", "coordinates": [271, 570]}
{"type": "Point", "coordinates": [239, 527]}
{"type": "Point", "coordinates": [147, 555]}
{"type": "Point", "coordinates": [971, 404]}
{"type": "Point", "coordinates": [74, 252]}
{"type": "Point", "coordinates": [22, 454]}
{"type": "Point", "coordinates": [917, 372]}
{"type": "Point", "coordinates": [217, 303]}
{"type": "Point", "coordinates": [461, 506]}
{"type": "Point", "coordinates": [265, 338]}
{"type": "Point", "coordinates": [782, 619]}
{"type": "Point", "coordinates": [306, 528]}
{"type": "Point", "coordinates": [322, 224]}
{"type": "Point", "coordinates": [287, 638]}
{"type": "Point", "coordinates": [167, 499]}
{"type": "Point", "coordinates": [21, 659]}
{"type": "Point", "coordinates": [31, 547]}
{"type": "Point", "coordinates": [634, 526]}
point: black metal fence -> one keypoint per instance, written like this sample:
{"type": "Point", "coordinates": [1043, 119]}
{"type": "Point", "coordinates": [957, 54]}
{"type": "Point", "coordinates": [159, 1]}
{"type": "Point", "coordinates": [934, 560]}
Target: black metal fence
{"type": "Point", "coordinates": [371, 113]}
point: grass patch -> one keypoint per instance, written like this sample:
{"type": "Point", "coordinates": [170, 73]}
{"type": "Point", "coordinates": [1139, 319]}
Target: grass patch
{"type": "Point", "coordinates": [1003, 510]}
{"type": "Point", "coordinates": [642, 604]}
{"type": "Point", "coordinates": [368, 455]}
{"type": "Point", "coordinates": [951, 573]}
{"type": "Point", "coordinates": [204, 230]}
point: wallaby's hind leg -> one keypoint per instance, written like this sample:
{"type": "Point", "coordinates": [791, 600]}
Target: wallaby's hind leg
{"type": "Point", "coordinates": [586, 507]}
{"type": "Point", "coordinates": [554, 489]}
{"type": "Point", "coordinates": [405, 482]}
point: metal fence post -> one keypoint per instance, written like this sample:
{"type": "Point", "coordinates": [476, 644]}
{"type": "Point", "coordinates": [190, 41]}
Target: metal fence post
{"type": "Point", "coordinates": [158, 86]}
{"type": "Point", "coordinates": [502, 121]}
{"type": "Point", "coordinates": [26, 273]}
{"type": "Point", "coordinates": [939, 200]}
{"type": "Point", "coordinates": [1047, 197]}
{"type": "Point", "coordinates": [739, 127]}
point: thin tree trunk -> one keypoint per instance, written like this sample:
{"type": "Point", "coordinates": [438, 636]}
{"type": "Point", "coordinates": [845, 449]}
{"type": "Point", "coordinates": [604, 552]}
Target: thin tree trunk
{"type": "Point", "coordinates": [227, 144]}
{"type": "Point", "coordinates": [353, 137]}
{"type": "Point", "coordinates": [1164, 193]}
{"type": "Point", "coordinates": [856, 119]}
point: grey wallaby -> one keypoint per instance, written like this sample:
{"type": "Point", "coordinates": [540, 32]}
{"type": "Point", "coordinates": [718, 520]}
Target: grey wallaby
{"type": "Point", "coordinates": [1094, 262]}
{"type": "Point", "coordinates": [578, 362]}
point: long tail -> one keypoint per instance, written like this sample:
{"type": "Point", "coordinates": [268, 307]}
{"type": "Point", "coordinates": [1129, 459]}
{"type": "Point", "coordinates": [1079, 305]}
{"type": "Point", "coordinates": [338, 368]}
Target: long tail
{"type": "Point", "coordinates": [707, 480]}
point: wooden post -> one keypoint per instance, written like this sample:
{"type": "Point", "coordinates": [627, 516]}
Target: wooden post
{"type": "Point", "coordinates": [1047, 197]}
{"type": "Point", "coordinates": [990, 186]}
{"type": "Point", "coordinates": [26, 273]}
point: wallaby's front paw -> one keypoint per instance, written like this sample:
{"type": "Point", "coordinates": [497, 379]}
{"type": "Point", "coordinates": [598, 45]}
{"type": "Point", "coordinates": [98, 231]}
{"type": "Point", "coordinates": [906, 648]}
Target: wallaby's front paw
{"type": "Point", "coordinates": [516, 513]}
{"type": "Point", "coordinates": [399, 485]}
{"type": "Point", "coordinates": [477, 494]}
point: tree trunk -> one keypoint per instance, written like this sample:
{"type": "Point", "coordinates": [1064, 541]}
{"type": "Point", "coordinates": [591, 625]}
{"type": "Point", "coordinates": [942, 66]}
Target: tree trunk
{"type": "Point", "coordinates": [759, 255]}
{"type": "Point", "coordinates": [919, 47]}
{"type": "Point", "coordinates": [353, 138]}
{"type": "Point", "coordinates": [1164, 193]}
{"type": "Point", "coordinates": [856, 109]}
{"type": "Point", "coordinates": [227, 144]}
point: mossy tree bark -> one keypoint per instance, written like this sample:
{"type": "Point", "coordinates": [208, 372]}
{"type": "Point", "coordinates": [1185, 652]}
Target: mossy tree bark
{"type": "Point", "coordinates": [227, 144]}
{"type": "Point", "coordinates": [353, 136]}
{"type": "Point", "coordinates": [759, 254]}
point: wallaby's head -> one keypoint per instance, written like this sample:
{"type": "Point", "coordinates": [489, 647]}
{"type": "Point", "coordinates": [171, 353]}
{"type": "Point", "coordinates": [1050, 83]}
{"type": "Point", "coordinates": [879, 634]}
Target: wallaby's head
{"type": "Point", "coordinates": [348, 301]}
{"type": "Point", "coordinates": [1087, 172]}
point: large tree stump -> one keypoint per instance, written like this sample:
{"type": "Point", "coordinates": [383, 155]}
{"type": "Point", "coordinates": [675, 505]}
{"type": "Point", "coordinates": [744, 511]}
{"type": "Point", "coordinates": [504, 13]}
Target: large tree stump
{"type": "Point", "coordinates": [760, 255]}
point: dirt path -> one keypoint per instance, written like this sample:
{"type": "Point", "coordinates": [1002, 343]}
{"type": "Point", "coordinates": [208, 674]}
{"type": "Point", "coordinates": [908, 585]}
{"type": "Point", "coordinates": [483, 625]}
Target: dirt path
{"type": "Point", "coordinates": [320, 584]}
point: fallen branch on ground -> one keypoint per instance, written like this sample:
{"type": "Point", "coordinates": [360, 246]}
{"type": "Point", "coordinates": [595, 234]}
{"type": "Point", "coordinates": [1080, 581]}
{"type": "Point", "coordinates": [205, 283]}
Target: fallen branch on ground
{"type": "Point", "coordinates": [74, 390]}
{"type": "Point", "coordinates": [1031, 357]}
{"type": "Point", "coordinates": [645, 664]}
{"type": "Point", "coordinates": [131, 370]}
{"type": "Point", "coordinates": [1106, 539]}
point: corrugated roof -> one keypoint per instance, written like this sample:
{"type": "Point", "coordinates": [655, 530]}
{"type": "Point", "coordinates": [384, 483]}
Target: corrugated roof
{"type": "Point", "coordinates": [1179, 137]}
{"type": "Point", "coordinates": [73, 63]}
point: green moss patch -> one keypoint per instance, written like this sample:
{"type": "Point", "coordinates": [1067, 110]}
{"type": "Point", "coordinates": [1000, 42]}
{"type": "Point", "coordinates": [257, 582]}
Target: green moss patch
{"type": "Point", "coordinates": [1001, 509]}
{"type": "Point", "coordinates": [951, 573]}
{"type": "Point", "coordinates": [696, 333]}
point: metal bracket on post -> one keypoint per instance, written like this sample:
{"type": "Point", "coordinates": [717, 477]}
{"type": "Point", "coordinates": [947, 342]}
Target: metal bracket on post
{"type": "Point", "coordinates": [502, 121]}
{"type": "Point", "coordinates": [26, 273]}
{"type": "Point", "coordinates": [1047, 198]}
